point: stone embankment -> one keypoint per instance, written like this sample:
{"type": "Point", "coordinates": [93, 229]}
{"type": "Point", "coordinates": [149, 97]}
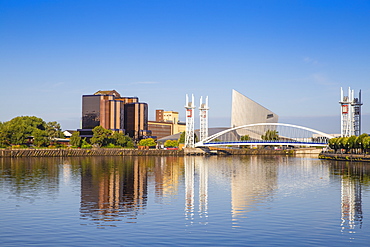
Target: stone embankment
{"type": "Point", "coordinates": [69, 152]}
{"type": "Point", "coordinates": [345, 157]}
{"type": "Point", "coordinates": [86, 152]}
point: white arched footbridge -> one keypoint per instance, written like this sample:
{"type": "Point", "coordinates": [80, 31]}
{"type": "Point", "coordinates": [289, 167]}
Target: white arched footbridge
{"type": "Point", "coordinates": [255, 134]}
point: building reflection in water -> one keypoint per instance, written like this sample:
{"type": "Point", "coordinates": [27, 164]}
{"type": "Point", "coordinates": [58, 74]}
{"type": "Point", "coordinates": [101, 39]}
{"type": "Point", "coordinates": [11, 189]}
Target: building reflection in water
{"type": "Point", "coordinates": [252, 183]}
{"type": "Point", "coordinates": [113, 190]}
{"type": "Point", "coordinates": [168, 172]}
{"type": "Point", "coordinates": [193, 165]}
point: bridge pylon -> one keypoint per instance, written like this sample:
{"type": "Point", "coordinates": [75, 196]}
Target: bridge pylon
{"type": "Point", "coordinates": [189, 134]}
{"type": "Point", "coordinates": [203, 114]}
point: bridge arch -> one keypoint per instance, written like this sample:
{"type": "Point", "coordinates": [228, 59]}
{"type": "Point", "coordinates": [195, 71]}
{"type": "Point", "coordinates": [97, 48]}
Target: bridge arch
{"type": "Point", "coordinates": [275, 125]}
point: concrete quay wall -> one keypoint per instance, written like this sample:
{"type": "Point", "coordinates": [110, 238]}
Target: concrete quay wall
{"type": "Point", "coordinates": [86, 152]}
{"type": "Point", "coordinates": [136, 152]}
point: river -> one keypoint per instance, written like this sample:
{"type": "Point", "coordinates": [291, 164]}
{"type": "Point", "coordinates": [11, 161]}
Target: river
{"type": "Point", "coordinates": [184, 201]}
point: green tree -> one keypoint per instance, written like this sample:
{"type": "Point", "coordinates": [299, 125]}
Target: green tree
{"type": "Point", "coordinates": [119, 139]}
{"type": "Point", "coordinates": [76, 140]}
{"type": "Point", "coordinates": [351, 142]}
{"type": "Point", "coordinates": [359, 140]}
{"type": "Point", "coordinates": [19, 129]}
{"type": "Point", "coordinates": [148, 142]}
{"type": "Point", "coordinates": [171, 143]}
{"type": "Point", "coordinates": [270, 135]}
{"type": "Point", "coordinates": [366, 142]}
{"type": "Point", "coordinates": [182, 138]}
{"type": "Point", "coordinates": [332, 144]}
{"type": "Point", "coordinates": [85, 144]}
{"type": "Point", "coordinates": [40, 138]}
{"type": "Point", "coordinates": [101, 136]}
{"type": "Point", "coordinates": [129, 143]}
{"type": "Point", "coordinates": [245, 138]}
{"type": "Point", "coordinates": [338, 143]}
{"type": "Point", "coordinates": [4, 141]}
{"type": "Point", "coordinates": [53, 130]}
{"type": "Point", "coordinates": [344, 143]}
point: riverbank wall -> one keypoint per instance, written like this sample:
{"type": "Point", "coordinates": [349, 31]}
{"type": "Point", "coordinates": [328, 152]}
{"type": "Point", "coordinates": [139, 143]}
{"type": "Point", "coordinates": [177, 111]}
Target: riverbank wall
{"type": "Point", "coordinates": [345, 157]}
{"type": "Point", "coordinates": [71, 152]}
{"type": "Point", "coordinates": [86, 152]}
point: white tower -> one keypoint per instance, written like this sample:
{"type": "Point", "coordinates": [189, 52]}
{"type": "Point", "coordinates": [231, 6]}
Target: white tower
{"type": "Point", "coordinates": [203, 113]}
{"type": "Point", "coordinates": [189, 134]}
{"type": "Point", "coordinates": [350, 114]}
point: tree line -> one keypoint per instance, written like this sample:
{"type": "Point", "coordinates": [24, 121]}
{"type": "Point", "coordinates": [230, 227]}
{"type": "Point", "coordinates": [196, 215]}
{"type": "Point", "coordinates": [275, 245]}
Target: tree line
{"type": "Point", "coordinates": [352, 144]}
{"type": "Point", "coordinates": [20, 130]}
{"type": "Point", "coordinates": [31, 130]}
{"type": "Point", "coordinates": [101, 138]}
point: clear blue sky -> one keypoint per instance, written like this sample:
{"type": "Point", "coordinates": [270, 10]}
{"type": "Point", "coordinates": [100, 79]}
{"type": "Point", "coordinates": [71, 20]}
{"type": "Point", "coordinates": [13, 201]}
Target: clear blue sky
{"type": "Point", "coordinates": [290, 56]}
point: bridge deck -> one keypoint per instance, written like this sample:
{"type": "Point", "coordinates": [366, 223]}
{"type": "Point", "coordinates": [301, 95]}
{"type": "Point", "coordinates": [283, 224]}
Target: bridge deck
{"type": "Point", "coordinates": [263, 142]}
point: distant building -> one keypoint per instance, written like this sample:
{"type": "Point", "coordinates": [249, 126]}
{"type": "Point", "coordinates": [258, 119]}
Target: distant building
{"type": "Point", "coordinates": [136, 120]}
{"type": "Point", "coordinates": [246, 111]}
{"type": "Point", "coordinates": [111, 111]}
{"type": "Point", "coordinates": [166, 123]}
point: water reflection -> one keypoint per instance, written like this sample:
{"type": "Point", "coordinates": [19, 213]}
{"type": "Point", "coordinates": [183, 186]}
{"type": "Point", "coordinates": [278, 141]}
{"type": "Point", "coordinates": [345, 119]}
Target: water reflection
{"type": "Point", "coordinates": [353, 177]}
{"type": "Point", "coordinates": [116, 189]}
{"type": "Point", "coordinates": [194, 166]}
{"type": "Point", "coordinates": [168, 173]}
{"type": "Point", "coordinates": [30, 178]}
{"type": "Point", "coordinates": [249, 179]}
{"type": "Point", "coordinates": [113, 190]}
{"type": "Point", "coordinates": [252, 183]}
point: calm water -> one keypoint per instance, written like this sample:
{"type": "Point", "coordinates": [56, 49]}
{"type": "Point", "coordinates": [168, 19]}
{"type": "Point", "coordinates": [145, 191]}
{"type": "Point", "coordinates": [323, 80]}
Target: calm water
{"type": "Point", "coordinates": [180, 201]}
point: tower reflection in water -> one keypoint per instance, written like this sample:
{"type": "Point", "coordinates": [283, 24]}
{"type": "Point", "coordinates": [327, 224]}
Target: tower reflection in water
{"type": "Point", "coordinates": [195, 167]}
{"type": "Point", "coordinates": [353, 175]}
{"type": "Point", "coordinates": [112, 190]}
{"type": "Point", "coordinates": [249, 181]}
{"type": "Point", "coordinates": [116, 189]}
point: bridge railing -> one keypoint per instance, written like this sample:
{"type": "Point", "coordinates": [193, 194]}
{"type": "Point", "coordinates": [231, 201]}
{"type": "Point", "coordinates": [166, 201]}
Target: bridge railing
{"type": "Point", "coordinates": [264, 142]}
{"type": "Point", "coordinates": [288, 134]}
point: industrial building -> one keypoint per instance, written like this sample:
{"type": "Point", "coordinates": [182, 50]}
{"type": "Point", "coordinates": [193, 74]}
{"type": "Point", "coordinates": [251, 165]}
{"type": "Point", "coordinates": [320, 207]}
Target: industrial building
{"type": "Point", "coordinates": [166, 123]}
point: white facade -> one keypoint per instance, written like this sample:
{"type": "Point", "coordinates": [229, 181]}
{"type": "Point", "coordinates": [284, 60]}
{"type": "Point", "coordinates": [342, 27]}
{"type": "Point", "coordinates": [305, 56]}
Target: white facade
{"type": "Point", "coordinates": [246, 111]}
